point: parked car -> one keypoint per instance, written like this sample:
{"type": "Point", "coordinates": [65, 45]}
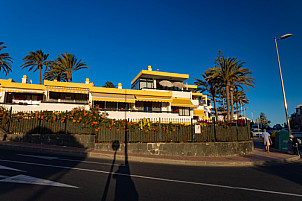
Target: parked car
{"type": "Point", "coordinates": [256, 132]}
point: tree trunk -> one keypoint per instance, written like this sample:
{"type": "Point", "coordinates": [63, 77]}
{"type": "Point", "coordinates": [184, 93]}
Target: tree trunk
{"type": "Point", "coordinates": [227, 89]}
{"type": "Point", "coordinates": [237, 108]}
{"type": "Point", "coordinates": [215, 107]}
{"type": "Point", "coordinates": [232, 102]}
{"type": "Point", "coordinates": [223, 107]}
{"type": "Point", "coordinates": [40, 73]}
{"type": "Point", "coordinates": [69, 78]}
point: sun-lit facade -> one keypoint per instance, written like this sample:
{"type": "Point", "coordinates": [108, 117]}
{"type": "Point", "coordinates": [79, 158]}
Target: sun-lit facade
{"type": "Point", "coordinates": [153, 94]}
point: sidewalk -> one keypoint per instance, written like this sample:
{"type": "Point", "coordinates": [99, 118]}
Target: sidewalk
{"type": "Point", "coordinates": [256, 158]}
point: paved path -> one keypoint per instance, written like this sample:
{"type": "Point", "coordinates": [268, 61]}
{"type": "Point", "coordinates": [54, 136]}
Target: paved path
{"type": "Point", "coordinates": [257, 157]}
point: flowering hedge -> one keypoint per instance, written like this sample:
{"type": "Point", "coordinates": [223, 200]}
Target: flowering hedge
{"type": "Point", "coordinates": [94, 118]}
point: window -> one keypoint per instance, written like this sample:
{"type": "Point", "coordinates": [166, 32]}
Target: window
{"type": "Point", "coordinates": [68, 96]}
{"type": "Point", "coordinates": [145, 83]}
{"type": "Point", "coordinates": [184, 111]}
{"type": "Point", "coordinates": [111, 105]}
{"type": "Point", "coordinates": [135, 85]}
{"type": "Point", "coordinates": [148, 106]}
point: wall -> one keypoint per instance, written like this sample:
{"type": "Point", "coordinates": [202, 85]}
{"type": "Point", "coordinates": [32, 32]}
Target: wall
{"type": "Point", "coordinates": [138, 115]}
{"type": "Point", "coordinates": [44, 106]}
{"type": "Point", "coordinates": [185, 149]}
{"type": "Point", "coordinates": [182, 94]}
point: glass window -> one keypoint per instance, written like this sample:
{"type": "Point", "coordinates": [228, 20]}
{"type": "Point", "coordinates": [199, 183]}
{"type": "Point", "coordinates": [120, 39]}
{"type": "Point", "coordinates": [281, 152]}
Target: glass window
{"type": "Point", "coordinates": [148, 106]}
{"type": "Point", "coordinates": [146, 83]}
{"type": "Point", "coordinates": [135, 85]}
{"type": "Point", "coordinates": [150, 85]}
{"type": "Point", "coordinates": [122, 106]}
{"type": "Point", "coordinates": [143, 85]}
{"type": "Point", "coordinates": [111, 105]}
{"type": "Point", "coordinates": [184, 111]}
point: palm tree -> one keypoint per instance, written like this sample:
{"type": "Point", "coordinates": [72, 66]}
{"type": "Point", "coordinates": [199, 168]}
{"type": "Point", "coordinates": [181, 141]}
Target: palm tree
{"type": "Point", "coordinates": [240, 98]}
{"type": "Point", "coordinates": [211, 85]}
{"type": "Point", "coordinates": [54, 72]}
{"type": "Point", "coordinates": [230, 71]}
{"type": "Point", "coordinates": [35, 61]}
{"type": "Point", "coordinates": [5, 60]}
{"type": "Point", "coordinates": [69, 64]}
{"type": "Point", "coordinates": [242, 79]}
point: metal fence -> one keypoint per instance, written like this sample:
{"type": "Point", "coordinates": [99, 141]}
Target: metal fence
{"type": "Point", "coordinates": [175, 132]}
{"type": "Point", "coordinates": [133, 130]}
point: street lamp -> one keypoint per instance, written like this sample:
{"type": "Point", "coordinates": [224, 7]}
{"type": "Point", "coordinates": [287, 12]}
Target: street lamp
{"type": "Point", "coordinates": [252, 116]}
{"type": "Point", "coordinates": [283, 92]}
{"type": "Point", "coordinates": [244, 110]}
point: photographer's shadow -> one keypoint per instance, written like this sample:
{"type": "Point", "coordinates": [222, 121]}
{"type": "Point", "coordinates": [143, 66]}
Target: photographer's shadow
{"type": "Point", "coordinates": [124, 186]}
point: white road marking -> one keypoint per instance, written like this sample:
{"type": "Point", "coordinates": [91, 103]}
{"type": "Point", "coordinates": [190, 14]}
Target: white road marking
{"type": "Point", "coordinates": [63, 159]}
{"type": "Point", "coordinates": [37, 156]}
{"type": "Point", "coordinates": [8, 168]}
{"type": "Point", "coordinates": [161, 179]}
{"type": "Point", "coordinates": [24, 179]}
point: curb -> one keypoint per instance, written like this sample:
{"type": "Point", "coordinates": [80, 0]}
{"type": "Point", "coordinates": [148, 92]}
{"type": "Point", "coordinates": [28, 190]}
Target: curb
{"type": "Point", "coordinates": [146, 159]}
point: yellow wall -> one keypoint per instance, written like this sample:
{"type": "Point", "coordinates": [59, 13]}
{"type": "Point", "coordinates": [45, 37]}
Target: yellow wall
{"type": "Point", "coordinates": [158, 73]}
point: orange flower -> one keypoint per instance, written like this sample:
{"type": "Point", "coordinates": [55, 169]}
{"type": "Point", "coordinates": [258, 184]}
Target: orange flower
{"type": "Point", "coordinates": [83, 124]}
{"type": "Point", "coordinates": [74, 121]}
{"type": "Point", "coordinates": [117, 130]}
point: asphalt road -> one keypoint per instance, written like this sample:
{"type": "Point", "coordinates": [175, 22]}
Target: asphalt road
{"type": "Point", "coordinates": [37, 177]}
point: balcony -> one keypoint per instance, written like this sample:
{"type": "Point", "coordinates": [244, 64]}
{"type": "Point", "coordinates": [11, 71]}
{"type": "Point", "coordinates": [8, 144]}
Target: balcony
{"type": "Point", "coordinates": [67, 101]}
{"type": "Point", "coordinates": [26, 102]}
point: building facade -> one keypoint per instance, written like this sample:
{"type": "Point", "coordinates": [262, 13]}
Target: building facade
{"type": "Point", "coordinates": [296, 119]}
{"type": "Point", "coordinates": [153, 94]}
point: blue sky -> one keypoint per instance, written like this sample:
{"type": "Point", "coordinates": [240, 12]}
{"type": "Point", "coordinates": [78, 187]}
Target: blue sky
{"type": "Point", "coordinates": [117, 39]}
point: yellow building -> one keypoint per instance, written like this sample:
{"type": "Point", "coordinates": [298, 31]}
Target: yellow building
{"type": "Point", "coordinates": [153, 94]}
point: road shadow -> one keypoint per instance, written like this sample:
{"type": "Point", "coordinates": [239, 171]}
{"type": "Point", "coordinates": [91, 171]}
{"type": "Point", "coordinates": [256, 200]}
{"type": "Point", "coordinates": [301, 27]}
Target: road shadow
{"type": "Point", "coordinates": [289, 171]}
{"type": "Point", "coordinates": [125, 189]}
{"type": "Point", "coordinates": [45, 136]}
{"type": "Point", "coordinates": [11, 190]}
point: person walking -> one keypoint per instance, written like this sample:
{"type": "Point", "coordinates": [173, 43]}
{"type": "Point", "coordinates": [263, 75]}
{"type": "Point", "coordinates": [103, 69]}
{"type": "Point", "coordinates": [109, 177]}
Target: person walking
{"type": "Point", "coordinates": [295, 144]}
{"type": "Point", "coordinates": [266, 140]}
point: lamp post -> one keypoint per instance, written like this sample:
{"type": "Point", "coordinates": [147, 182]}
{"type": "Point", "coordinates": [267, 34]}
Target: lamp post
{"type": "Point", "coordinates": [244, 110]}
{"type": "Point", "coordinates": [252, 116]}
{"type": "Point", "coordinates": [283, 92]}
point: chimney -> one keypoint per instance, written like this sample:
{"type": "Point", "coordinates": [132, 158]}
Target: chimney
{"type": "Point", "coordinates": [149, 68]}
{"type": "Point", "coordinates": [24, 79]}
{"type": "Point", "coordinates": [87, 81]}
{"type": "Point", "coordinates": [119, 86]}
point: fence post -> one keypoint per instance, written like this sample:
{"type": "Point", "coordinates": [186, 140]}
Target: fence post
{"type": "Point", "coordinates": [237, 130]}
{"type": "Point", "coordinates": [66, 126]}
{"type": "Point", "coordinates": [39, 129]}
{"type": "Point", "coordinates": [159, 129]}
{"type": "Point", "coordinates": [9, 120]}
{"type": "Point", "coordinates": [66, 123]}
{"type": "Point", "coordinates": [126, 132]}
{"type": "Point", "coordinates": [214, 121]}
{"type": "Point", "coordinates": [248, 129]}
{"type": "Point", "coordinates": [192, 135]}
